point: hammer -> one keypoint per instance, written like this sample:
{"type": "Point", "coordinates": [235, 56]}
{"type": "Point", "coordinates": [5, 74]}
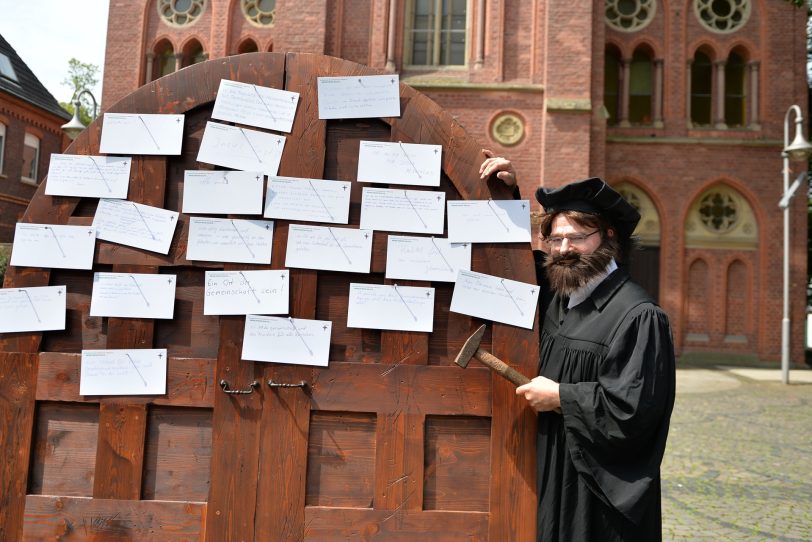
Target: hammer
{"type": "Point", "coordinates": [471, 349]}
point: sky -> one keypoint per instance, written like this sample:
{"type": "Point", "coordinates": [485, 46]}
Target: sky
{"type": "Point", "coordinates": [47, 33]}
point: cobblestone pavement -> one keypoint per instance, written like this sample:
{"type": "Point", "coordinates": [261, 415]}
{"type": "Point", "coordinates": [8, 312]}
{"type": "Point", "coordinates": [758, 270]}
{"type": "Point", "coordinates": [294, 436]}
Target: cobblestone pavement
{"type": "Point", "coordinates": [739, 460]}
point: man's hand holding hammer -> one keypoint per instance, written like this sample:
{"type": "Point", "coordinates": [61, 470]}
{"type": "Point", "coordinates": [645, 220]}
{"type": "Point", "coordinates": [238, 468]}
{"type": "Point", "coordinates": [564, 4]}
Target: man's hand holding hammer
{"type": "Point", "coordinates": [542, 394]}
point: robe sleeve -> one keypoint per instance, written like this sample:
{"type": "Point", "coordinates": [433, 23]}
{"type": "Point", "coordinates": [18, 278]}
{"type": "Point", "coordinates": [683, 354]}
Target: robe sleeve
{"type": "Point", "coordinates": [616, 427]}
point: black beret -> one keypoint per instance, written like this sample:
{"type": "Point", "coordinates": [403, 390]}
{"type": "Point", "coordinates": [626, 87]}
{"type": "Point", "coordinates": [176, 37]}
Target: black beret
{"type": "Point", "coordinates": [591, 196]}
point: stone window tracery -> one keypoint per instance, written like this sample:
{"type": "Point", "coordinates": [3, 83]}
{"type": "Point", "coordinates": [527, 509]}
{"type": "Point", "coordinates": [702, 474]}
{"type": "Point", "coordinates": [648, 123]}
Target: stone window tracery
{"type": "Point", "coordinates": [722, 16]}
{"type": "Point", "coordinates": [629, 15]}
{"type": "Point", "coordinates": [181, 13]}
{"type": "Point", "coordinates": [718, 212]}
{"type": "Point", "coordinates": [721, 218]}
{"type": "Point", "coordinates": [260, 13]}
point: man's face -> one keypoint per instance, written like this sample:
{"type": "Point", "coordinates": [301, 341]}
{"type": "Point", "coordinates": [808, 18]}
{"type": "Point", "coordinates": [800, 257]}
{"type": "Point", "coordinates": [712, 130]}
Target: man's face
{"type": "Point", "coordinates": [576, 254]}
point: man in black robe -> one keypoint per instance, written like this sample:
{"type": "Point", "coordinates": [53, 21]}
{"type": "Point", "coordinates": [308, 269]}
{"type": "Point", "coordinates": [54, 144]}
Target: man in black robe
{"type": "Point", "coordinates": [606, 380]}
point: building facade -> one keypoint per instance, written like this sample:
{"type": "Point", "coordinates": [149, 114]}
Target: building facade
{"type": "Point", "coordinates": [678, 104]}
{"type": "Point", "coordinates": [30, 130]}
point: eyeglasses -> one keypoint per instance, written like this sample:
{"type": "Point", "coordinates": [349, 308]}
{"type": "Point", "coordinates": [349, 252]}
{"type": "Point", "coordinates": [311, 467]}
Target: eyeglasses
{"type": "Point", "coordinates": [574, 240]}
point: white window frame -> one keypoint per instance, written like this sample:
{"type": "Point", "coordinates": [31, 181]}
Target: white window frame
{"type": "Point", "coordinates": [31, 141]}
{"type": "Point", "coordinates": [2, 146]}
{"type": "Point", "coordinates": [408, 40]}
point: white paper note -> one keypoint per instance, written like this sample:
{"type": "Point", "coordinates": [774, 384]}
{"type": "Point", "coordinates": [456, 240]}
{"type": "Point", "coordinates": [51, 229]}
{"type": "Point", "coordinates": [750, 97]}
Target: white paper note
{"type": "Point", "coordinates": [313, 200]}
{"type": "Point", "coordinates": [389, 306]}
{"type": "Point", "coordinates": [334, 249]}
{"type": "Point", "coordinates": [135, 225]}
{"type": "Point", "coordinates": [141, 133]}
{"type": "Point", "coordinates": [123, 372]}
{"type": "Point", "coordinates": [255, 105]}
{"type": "Point", "coordinates": [40, 308]}
{"type": "Point", "coordinates": [399, 163]}
{"type": "Point", "coordinates": [133, 295]}
{"type": "Point", "coordinates": [47, 245]}
{"type": "Point", "coordinates": [359, 97]}
{"type": "Point", "coordinates": [287, 340]}
{"type": "Point", "coordinates": [240, 148]}
{"type": "Point", "coordinates": [495, 298]}
{"type": "Point", "coordinates": [410, 211]}
{"type": "Point", "coordinates": [88, 176]}
{"type": "Point", "coordinates": [425, 258]}
{"type": "Point", "coordinates": [223, 192]}
{"type": "Point", "coordinates": [230, 240]}
{"type": "Point", "coordinates": [489, 221]}
{"type": "Point", "coordinates": [246, 292]}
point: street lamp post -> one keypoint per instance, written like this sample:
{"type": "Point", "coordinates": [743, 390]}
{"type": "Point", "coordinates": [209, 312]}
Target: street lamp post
{"type": "Point", "coordinates": [799, 149]}
{"type": "Point", "coordinates": [75, 126]}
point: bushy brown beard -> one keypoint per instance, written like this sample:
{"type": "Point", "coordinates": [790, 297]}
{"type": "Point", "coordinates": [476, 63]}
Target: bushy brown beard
{"type": "Point", "coordinates": [570, 271]}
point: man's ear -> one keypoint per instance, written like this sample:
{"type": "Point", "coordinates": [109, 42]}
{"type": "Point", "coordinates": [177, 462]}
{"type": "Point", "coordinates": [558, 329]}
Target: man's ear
{"type": "Point", "coordinates": [610, 232]}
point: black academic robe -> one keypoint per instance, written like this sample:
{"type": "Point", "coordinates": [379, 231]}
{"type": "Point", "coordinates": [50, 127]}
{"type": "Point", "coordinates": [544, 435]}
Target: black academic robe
{"type": "Point", "coordinates": [599, 460]}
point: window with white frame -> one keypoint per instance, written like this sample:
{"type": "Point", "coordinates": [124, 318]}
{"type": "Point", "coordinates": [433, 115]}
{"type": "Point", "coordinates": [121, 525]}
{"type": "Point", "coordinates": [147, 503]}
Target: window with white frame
{"type": "Point", "coordinates": [30, 158]}
{"type": "Point", "coordinates": [2, 145]}
{"type": "Point", "coordinates": [436, 33]}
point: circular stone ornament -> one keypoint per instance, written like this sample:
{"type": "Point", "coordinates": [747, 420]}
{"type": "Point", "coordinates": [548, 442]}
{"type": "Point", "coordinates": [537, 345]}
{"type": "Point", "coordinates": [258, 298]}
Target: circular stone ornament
{"type": "Point", "coordinates": [629, 15]}
{"type": "Point", "coordinates": [180, 13]}
{"type": "Point", "coordinates": [722, 16]}
{"type": "Point", "coordinates": [507, 129]}
{"type": "Point", "coordinates": [260, 13]}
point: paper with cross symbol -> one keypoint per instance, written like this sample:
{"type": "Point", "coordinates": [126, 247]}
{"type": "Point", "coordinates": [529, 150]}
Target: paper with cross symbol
{"type": "Point", "coordinates": [246, 292]}
{"type": "Point", "coordinates": [410, 211]}
{"type": "Point", "coordinates": [255, 105]}
{"type": "Point", "coordinates": [133, 295]}
{"type": "Point", "coordinates": [135, 371]}
{"type": "Point", "coordinates": [360, 96]}
{"type": "Point", "coordinates": [135, 225]}
{"type": "Point", "coordinates": [38, 308]}
{"type": "Point", "coordinates": [399, 163]}
{"type": "Point", "coordinates": [312, 200]}
{"type": "Point", "coordinates": [88, 176]}
{"type": "Point", "coordinates": [286, 340]}
{"type": "Point", "coordinates": [141, 133]}
{"type": "Point", "coordinates": [53, 246]}
{"type": "Point", "coordinates": [495, 298]}
{"type": "Point", "coordinates": [332, 249]}
{"type": "Point", "coordinates": [240, 148]}
{"type": "Point", "coordinates": [389, 306]}
{"type": "Point", "coordinates": [489, 221]}
{"type": "Point", "coordinates": [223, 192]}
{"type": "Point", "coordinates": [425, 258]}
{"type": "Point", "coordinates": [230, 240]}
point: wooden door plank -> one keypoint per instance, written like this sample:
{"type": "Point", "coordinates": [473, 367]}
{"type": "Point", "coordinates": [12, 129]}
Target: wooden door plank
{"type": "Point", "coordinates": [341, 524]}
{"type": "Point", "coordinates": [75, 519]}
{"type": "Point", "coordinates": [18, 373]}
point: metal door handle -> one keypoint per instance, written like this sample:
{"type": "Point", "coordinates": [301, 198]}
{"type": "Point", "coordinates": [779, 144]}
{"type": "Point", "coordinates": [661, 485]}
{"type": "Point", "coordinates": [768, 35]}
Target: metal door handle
{"type": "Point", "coordinates": [254, 385]}
{"type": "Point", "coordinates": [273, 384]}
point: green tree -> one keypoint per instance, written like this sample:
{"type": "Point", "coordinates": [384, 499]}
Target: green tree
{"type": "Point", "coordinates": [81, 76]}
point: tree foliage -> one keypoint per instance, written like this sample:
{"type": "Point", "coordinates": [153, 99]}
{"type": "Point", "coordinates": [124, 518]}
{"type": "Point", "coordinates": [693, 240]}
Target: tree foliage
{"type": "Point", "coordinates": [81, 76]}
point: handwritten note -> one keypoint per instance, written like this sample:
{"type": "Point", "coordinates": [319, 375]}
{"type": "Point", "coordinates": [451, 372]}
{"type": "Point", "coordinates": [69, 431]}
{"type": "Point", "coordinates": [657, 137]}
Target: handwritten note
{"type": "Point", "coordinates": [223, 192]}
{"type": "Point", "coordinates": [88, 176]}
{"type": "Point", "coordinates": [405, 308]}
{"type": "Point", "coordinates": [335, 249]}
{"type": "Point", "coordinates": [411, 211]}
{"type": "Point", "coordinates": [287, 340]}
{"type": "Point", "coordinates": [313, 200]}
{"type": "Point", "coordinates": [425, 258]}
{"type": "Point", "coordinates": [230, 240]}
{"type": "Point", "coordinates": [255, 105]}
{"type": "Point", "coordinates": [489, 221]}
{"type": "Point", "coordinates": [46, 245]}
{"type": "Point", "coordinates": [399, 163]}
{"type": "Point", "coordinates": [495, 298]}
{"type": "Point", "coordinates": [136, 225]}
{"type": "Point", "coordinates": [238, 148]}
{"type": "Point", "coordinates": [133, 295]}
{"type": "Point", "coordinates": [246, 292]}
{"type": "Point", "coordinates": [123, 372]}
{"type": "Point", "coordinates": [141, 133]}
{"type": "Point", "coordinates": [368, 96]}
{"type": "Point", "coordinates": [40, 308]}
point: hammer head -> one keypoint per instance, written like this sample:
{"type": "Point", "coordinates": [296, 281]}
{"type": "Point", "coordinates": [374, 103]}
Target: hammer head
{"type": "Point", "coordinates": [470, 347]}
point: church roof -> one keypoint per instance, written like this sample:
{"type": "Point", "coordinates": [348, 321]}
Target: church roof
{"type": "Point", "coordinates": [17, 79]}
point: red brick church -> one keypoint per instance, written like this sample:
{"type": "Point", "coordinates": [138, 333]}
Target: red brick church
{"type": "Point", "coordinates": [679, 105]}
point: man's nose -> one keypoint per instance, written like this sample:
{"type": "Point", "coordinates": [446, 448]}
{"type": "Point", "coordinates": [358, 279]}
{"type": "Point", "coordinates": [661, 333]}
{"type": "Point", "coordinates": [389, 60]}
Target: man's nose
{"type": "Point", "coordinates": [565, 245]}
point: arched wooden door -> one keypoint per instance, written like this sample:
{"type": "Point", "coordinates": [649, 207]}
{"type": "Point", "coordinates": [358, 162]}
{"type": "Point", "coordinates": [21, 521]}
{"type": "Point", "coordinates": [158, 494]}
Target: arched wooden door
{"type": "Point", "coordinates": [391, 442]}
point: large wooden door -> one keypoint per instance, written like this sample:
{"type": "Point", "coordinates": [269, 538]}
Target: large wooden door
{"type": "Point", "coordinates": [391, 442]}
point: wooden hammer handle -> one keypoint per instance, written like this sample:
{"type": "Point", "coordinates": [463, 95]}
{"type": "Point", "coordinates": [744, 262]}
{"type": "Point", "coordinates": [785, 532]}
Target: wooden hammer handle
{"type": "Point", "coordinates": [501, 367]}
